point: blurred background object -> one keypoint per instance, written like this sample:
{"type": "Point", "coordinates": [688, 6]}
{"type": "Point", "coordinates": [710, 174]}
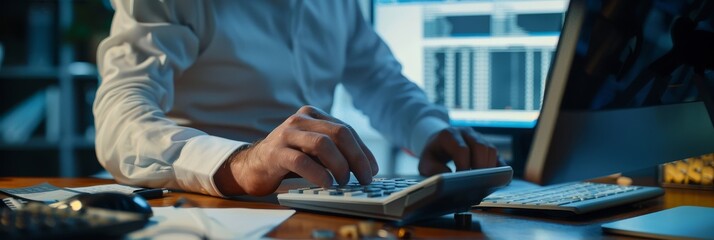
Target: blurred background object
{"type": "Point", "coordinates": [694, 172]}
{"type": "Point", "coordinates": [47, 82]}
{"type": "Point", "coordinates": [1, 52]}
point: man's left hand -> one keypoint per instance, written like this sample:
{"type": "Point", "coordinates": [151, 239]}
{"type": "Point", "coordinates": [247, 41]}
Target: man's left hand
{"type": "Point", "coordinates": [463, 145]}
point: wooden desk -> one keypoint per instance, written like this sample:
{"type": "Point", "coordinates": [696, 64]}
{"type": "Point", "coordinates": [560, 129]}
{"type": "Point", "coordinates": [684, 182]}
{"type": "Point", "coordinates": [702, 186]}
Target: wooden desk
{"type": "Point", "coordinates": [490, 224]}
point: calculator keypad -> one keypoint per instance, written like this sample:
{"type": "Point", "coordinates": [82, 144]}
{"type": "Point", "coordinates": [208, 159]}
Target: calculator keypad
{"type": "Point", "coordinates": [380, 187]}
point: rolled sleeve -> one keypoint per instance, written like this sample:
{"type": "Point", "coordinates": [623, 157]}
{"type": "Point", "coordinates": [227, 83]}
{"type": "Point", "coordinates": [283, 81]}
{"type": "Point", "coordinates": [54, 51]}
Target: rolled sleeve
{"type": "Point", "coordinates": [200, 159]}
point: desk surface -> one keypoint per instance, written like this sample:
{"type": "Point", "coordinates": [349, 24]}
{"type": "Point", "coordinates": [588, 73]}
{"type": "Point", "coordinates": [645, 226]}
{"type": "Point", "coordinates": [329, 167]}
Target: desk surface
{"type": "Point", "coordinates": [491, 224]}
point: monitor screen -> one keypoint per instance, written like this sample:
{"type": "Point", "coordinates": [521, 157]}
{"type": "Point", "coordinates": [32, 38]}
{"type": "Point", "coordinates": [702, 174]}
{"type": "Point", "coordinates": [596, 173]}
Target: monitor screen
{"type": "Point", "coordinates": [486, 61]}
{"type": "Point", "coordinates": [629, 89]}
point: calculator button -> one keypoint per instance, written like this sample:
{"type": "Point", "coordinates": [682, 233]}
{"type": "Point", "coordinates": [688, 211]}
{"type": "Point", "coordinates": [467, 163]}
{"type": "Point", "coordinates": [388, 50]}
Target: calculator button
{"type": "Point", "coordinates": [375, 194]}
{"type": "Point", "coordinates": [353, 194]}
{"type": "Point", "coordinates": [330, 192]}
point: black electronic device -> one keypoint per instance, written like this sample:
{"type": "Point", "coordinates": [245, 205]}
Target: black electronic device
{"type": "Point", "coordinates": [628, 89]}
{"type": "Point", "coordinates": [402, 200]}
{"type": "Point", "coordinates": [39, 221]}
{"type": "Point", "coordinates": [110, 201]}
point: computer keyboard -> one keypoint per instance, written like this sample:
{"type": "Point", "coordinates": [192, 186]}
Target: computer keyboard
{"type": "Point", "coordinates": [573, 198]}
{"type": "Point", "coordinates": [402, 200]}
{"type": "Point", "coordinates": [40, 221]}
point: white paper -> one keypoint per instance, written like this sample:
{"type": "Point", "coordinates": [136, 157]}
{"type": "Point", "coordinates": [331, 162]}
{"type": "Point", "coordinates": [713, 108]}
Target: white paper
{"type": "Point", "coordinates": [43, 192]}
{"type": "Point", "coordinates": [212, 223]}
{"type": "Point", "coordinates": [107, 188]}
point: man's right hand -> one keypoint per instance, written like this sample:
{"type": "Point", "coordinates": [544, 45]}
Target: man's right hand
{"type": "Point", "coordinates": [309, 143]}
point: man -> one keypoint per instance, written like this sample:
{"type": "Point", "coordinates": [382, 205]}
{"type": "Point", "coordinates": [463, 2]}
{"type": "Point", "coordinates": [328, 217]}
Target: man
{"type": "Point", "coordinates": [224, 97]}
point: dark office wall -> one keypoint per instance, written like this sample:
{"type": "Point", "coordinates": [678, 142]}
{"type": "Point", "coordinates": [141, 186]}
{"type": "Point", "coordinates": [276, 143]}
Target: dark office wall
{"type": "Point", "coordinates": [36, 35]}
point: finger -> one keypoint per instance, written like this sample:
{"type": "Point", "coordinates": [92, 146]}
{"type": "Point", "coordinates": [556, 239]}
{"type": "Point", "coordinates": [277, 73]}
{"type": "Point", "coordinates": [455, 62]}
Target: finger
{"type": "Point", "coordinates": [430, 165]}
{"type": "Point", "coordinates": [479, 152]}
{"type": "Point", "coordinates": [301, 164]}
{"type": "Point", "coordinates": [372, 160]}
{"type": "Point", "coordinates": [493, 156]}
{"type": "Point", "coordinates": [348, 147]}
{"type": "Point", "coordinates": [482, 157]}
{"type": "Point", "coordinates": [455, 146]}
{"type": "Point", "coordinates": [323, 148]}
{"type": "Point", "coordinates": [342, 137]}
{"type": "Point", "coordinates": [319, 114]}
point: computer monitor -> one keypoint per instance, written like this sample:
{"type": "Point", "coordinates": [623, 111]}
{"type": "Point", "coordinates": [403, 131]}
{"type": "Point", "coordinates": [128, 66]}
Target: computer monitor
{"type": "Point", "coordinates": [624, 90]}
{"type": "Point", "coordinates": [486, 61]}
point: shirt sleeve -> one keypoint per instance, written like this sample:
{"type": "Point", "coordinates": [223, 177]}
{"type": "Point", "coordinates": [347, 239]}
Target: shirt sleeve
{"type": "Point", "coordinates": [397, 107]}
{"type": "Point", "coordinates": [151, 43]}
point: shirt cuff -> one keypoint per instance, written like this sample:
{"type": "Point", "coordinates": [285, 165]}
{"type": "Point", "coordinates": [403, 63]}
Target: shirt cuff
{"type": "Point", "coordinates": [200, 159]}
{"type": "Point", "coordinates": [423, 130]}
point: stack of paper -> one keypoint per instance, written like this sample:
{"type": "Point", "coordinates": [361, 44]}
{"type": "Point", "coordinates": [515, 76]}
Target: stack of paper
{"type": "Point", "coordinates": [211, 223]}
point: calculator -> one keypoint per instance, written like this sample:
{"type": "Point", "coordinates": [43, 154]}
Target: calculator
{"type": "Point", "coordinates": [402, 199]}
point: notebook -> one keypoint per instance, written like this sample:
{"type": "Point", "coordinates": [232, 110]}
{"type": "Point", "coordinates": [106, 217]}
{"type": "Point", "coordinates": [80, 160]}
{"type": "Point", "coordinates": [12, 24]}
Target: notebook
{"type": "Point", "coordinates": [685, 222]}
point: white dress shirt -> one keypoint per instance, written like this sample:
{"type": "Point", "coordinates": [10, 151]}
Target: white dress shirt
{"type": "Point", "coordinates": [185, 83]}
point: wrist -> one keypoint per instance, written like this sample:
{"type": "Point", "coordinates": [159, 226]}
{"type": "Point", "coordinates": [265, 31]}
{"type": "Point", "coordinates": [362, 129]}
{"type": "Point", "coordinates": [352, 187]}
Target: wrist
{"type": "Point", "coordinates": [225, 178]}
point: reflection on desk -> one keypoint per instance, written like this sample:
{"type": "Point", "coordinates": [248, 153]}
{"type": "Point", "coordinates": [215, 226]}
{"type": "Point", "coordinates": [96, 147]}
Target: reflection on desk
{"type": "Point", "coordinates": [486, 224]}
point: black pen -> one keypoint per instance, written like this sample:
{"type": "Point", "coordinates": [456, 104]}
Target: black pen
{"type": "Point", "coordinates": [151, 193]}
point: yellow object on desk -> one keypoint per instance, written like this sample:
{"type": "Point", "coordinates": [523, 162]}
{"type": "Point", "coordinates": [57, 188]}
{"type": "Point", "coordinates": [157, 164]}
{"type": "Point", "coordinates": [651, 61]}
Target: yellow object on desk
{"type": "Point", "coordinates": [691, 172]}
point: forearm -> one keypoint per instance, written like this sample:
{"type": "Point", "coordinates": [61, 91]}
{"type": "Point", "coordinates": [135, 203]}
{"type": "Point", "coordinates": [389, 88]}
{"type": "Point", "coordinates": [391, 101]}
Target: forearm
{"type": "Point", "coordinates": [151, 44]}
{"type": "Point", "coordinates": [138, 145]}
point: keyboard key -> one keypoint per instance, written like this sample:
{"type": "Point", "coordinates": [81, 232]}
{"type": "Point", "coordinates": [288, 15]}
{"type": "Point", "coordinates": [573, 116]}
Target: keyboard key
{"type": "Point", "coordinates": [573, 195]}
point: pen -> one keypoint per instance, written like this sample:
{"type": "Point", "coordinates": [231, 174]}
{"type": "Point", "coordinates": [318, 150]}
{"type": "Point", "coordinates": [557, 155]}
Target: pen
{"type": "Point", "coordinates": [151, 193]}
